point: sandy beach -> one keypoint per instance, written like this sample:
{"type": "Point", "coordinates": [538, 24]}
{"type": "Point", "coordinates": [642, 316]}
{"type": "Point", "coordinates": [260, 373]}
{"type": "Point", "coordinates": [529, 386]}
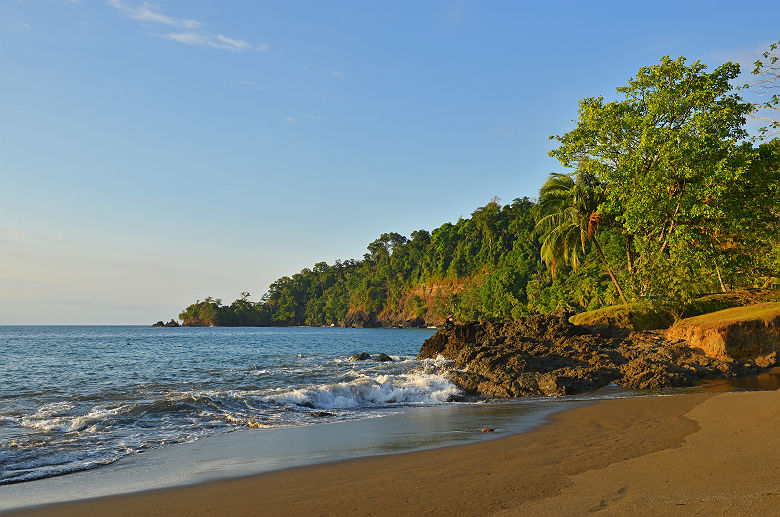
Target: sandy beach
{"type": "Point", "coordinates": [707, 453]}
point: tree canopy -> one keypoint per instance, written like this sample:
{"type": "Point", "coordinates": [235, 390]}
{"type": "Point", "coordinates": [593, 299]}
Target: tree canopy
{"type": "Point", "coordinates": [688, 193]}
{"type": "Point", "coordinates": [666, 198]}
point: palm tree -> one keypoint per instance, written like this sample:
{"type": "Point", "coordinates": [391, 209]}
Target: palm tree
{"type": "Point", "coordinates": [567, 220]}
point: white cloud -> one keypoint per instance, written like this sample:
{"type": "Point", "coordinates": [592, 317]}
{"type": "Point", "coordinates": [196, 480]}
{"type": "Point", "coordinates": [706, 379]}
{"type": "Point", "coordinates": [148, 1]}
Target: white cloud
{"type": "Point", "coordinates": [189, 38]}
{"type": "Point", "coordinates": [290, 120]}
{"type": "Point", "coordinates": [232, 44]}
{"type": "Point", "coordinates": [145, 14]}
{"type": "Point", "coordinates": [206, 40]}
{"type": "Point", "coordinates": [195, 36]}
{"type": "Point", "coordinates": [24, 25]}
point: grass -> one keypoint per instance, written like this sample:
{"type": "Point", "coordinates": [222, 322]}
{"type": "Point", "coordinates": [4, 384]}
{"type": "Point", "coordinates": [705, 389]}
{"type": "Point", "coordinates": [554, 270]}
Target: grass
{"type": "Point", "coordinates": [639, 317]}
{"type": "Point", "coordinates": [765, 312]}
{"type": "Point", "coordinates": [634, 317]}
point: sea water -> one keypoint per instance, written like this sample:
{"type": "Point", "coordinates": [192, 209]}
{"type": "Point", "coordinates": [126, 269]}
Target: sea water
{"type": "Point", "coordinates": [79, 397]}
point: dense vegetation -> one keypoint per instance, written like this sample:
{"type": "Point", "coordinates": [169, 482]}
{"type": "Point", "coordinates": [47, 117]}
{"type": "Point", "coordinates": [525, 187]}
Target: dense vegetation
{"type": "Point", "coordinates": [666, 199]}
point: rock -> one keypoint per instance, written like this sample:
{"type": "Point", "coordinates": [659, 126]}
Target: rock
{"type": "Point", "coordinates": [172, 323]}
{"type": "Point", "coordinates": [382, 358]}
{"type": "Point", "coordinates": [766, 361]}
{"type": "Point", "coordinates": [548, 355]}
{"type": "Point", "coordinates": [750, 332]}
{"type": "Point", "coordinates": [360, 357]}
{"type": "Point", "coordinates": [195, 323]}
{"type": "Point", "coordinates": [359, 318]}
{"type": "Point", "coordinates": [320, 414]}
{"type": "Point", "coordinates": [488, 430]}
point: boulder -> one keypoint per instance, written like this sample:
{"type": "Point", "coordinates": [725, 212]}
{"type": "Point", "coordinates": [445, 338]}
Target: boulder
{"type": "Point", "coordinates": [363, 356]}
{"type": "Point", "coordinates": [382, 358]}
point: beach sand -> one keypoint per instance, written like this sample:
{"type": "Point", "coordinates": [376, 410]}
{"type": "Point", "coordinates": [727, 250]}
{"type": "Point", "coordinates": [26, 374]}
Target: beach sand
{"type": "Point", "coordinates": [705, 453]}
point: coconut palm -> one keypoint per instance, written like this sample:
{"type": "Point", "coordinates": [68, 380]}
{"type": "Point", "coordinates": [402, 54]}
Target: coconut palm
{"type": "Point", "coordinates": [568, 219]}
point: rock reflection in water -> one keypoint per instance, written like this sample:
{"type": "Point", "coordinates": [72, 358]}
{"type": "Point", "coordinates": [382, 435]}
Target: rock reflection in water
{"type": "Point", "coordinates": [766, 381]}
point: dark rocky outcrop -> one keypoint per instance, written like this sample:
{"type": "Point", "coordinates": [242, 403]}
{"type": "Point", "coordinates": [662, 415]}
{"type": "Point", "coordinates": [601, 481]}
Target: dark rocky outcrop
{"type": "Point", "coordinates": [364, 356]}
{"type": "Point", "coordinates": [172, 323]}
{"type": "Point", "coordinates": [548, 355]}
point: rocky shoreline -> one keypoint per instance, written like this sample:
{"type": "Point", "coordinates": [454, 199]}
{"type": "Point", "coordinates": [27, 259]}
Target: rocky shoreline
{"type": "Point", "coordinates": [548, 355]}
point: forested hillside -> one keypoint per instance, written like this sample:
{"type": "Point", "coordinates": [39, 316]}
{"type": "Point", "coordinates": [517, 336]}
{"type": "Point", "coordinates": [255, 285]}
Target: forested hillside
{"type": "Point", "coordinates": [485, 266]}
{"type": "Point", "coordinates": [666, 198]}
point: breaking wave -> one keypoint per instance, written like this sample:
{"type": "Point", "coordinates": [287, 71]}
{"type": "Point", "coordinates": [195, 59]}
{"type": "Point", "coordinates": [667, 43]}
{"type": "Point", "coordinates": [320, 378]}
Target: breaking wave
{"type": "Point", "coordinates": [92, 427]}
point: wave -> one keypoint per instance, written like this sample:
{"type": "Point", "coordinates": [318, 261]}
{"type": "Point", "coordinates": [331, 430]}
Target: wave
{"type": "Point", "coordinates": [415, 388]}
{"type": "Point", "coordinates": [94, 428]}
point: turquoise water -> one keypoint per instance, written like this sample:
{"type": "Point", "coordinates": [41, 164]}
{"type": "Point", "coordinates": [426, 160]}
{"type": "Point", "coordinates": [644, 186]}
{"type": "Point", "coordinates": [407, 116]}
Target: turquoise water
{"type": "Point", "coordinates": [74, 398]}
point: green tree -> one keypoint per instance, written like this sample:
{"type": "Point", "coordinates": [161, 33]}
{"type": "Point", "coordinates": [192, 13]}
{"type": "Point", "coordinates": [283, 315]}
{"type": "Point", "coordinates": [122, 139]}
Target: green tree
{"type": "Point", "coordinates": [568, 220]}
{"type": "Point", "coordinates": [667, 156]}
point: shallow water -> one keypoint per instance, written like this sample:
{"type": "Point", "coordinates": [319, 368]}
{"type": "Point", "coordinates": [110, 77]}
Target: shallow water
{"type": "Point", "coordinates": [73, 398]}
{"type": "Point", "coordinates": [254, 451]}
{"type": "Point", "coordinates": [764, 381]}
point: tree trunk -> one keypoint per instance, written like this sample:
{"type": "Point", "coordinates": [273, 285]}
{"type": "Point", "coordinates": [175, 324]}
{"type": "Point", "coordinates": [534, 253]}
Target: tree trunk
{"type": "Point", "coordinates": [629, 254]}
{"type": "Point", "coordinates": [609, 270]}
{"type": "Point", "coordinates": [722, 287]}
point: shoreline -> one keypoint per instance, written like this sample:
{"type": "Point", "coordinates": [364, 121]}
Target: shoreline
{"type": "Point", "coordinates": [255, 451]}
{"type": "Point", "coordinates": [673, 454]}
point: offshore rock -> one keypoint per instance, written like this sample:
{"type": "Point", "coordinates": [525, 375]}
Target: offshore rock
{"type": "Point", "coordinates": [548, 355]}
{"type": "Point", "coordinates": [363, 356]}
{"type": "Point", "coordinates": [172, 323]}
{"type": "Point", "coordinates": [383, 358]}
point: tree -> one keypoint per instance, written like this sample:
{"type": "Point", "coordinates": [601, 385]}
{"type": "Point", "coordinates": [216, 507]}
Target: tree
{"type": "Point", "coordinates": [667, 155]}
{"type": "Point", "coordinates": [568, 220]}
{"type": "Point", "coordinates": [767, 85]}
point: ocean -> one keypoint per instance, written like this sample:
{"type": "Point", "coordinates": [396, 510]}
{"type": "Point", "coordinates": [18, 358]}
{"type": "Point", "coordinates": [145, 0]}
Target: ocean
{"type": "Point", "coordinates": [78, 397]}
{"type": "Point", "coordinates": [87, 411]}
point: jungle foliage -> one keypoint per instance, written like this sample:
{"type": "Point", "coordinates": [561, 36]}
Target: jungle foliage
{"type": "Point", "coordinates": [666, 199]}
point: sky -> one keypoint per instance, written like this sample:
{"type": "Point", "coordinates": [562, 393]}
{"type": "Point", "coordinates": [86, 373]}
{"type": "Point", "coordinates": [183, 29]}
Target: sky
{"type": "Point", "coordinates": [155, 153]}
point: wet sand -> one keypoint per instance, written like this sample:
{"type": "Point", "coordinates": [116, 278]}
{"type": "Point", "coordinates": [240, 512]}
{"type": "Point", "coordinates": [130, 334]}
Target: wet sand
{"type": "Point", "coordinates": [700, 453]}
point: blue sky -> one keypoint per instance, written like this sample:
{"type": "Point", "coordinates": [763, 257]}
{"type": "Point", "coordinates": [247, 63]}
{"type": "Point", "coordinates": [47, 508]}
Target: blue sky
{"type": "Point", "coordinates": [153, 153]}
